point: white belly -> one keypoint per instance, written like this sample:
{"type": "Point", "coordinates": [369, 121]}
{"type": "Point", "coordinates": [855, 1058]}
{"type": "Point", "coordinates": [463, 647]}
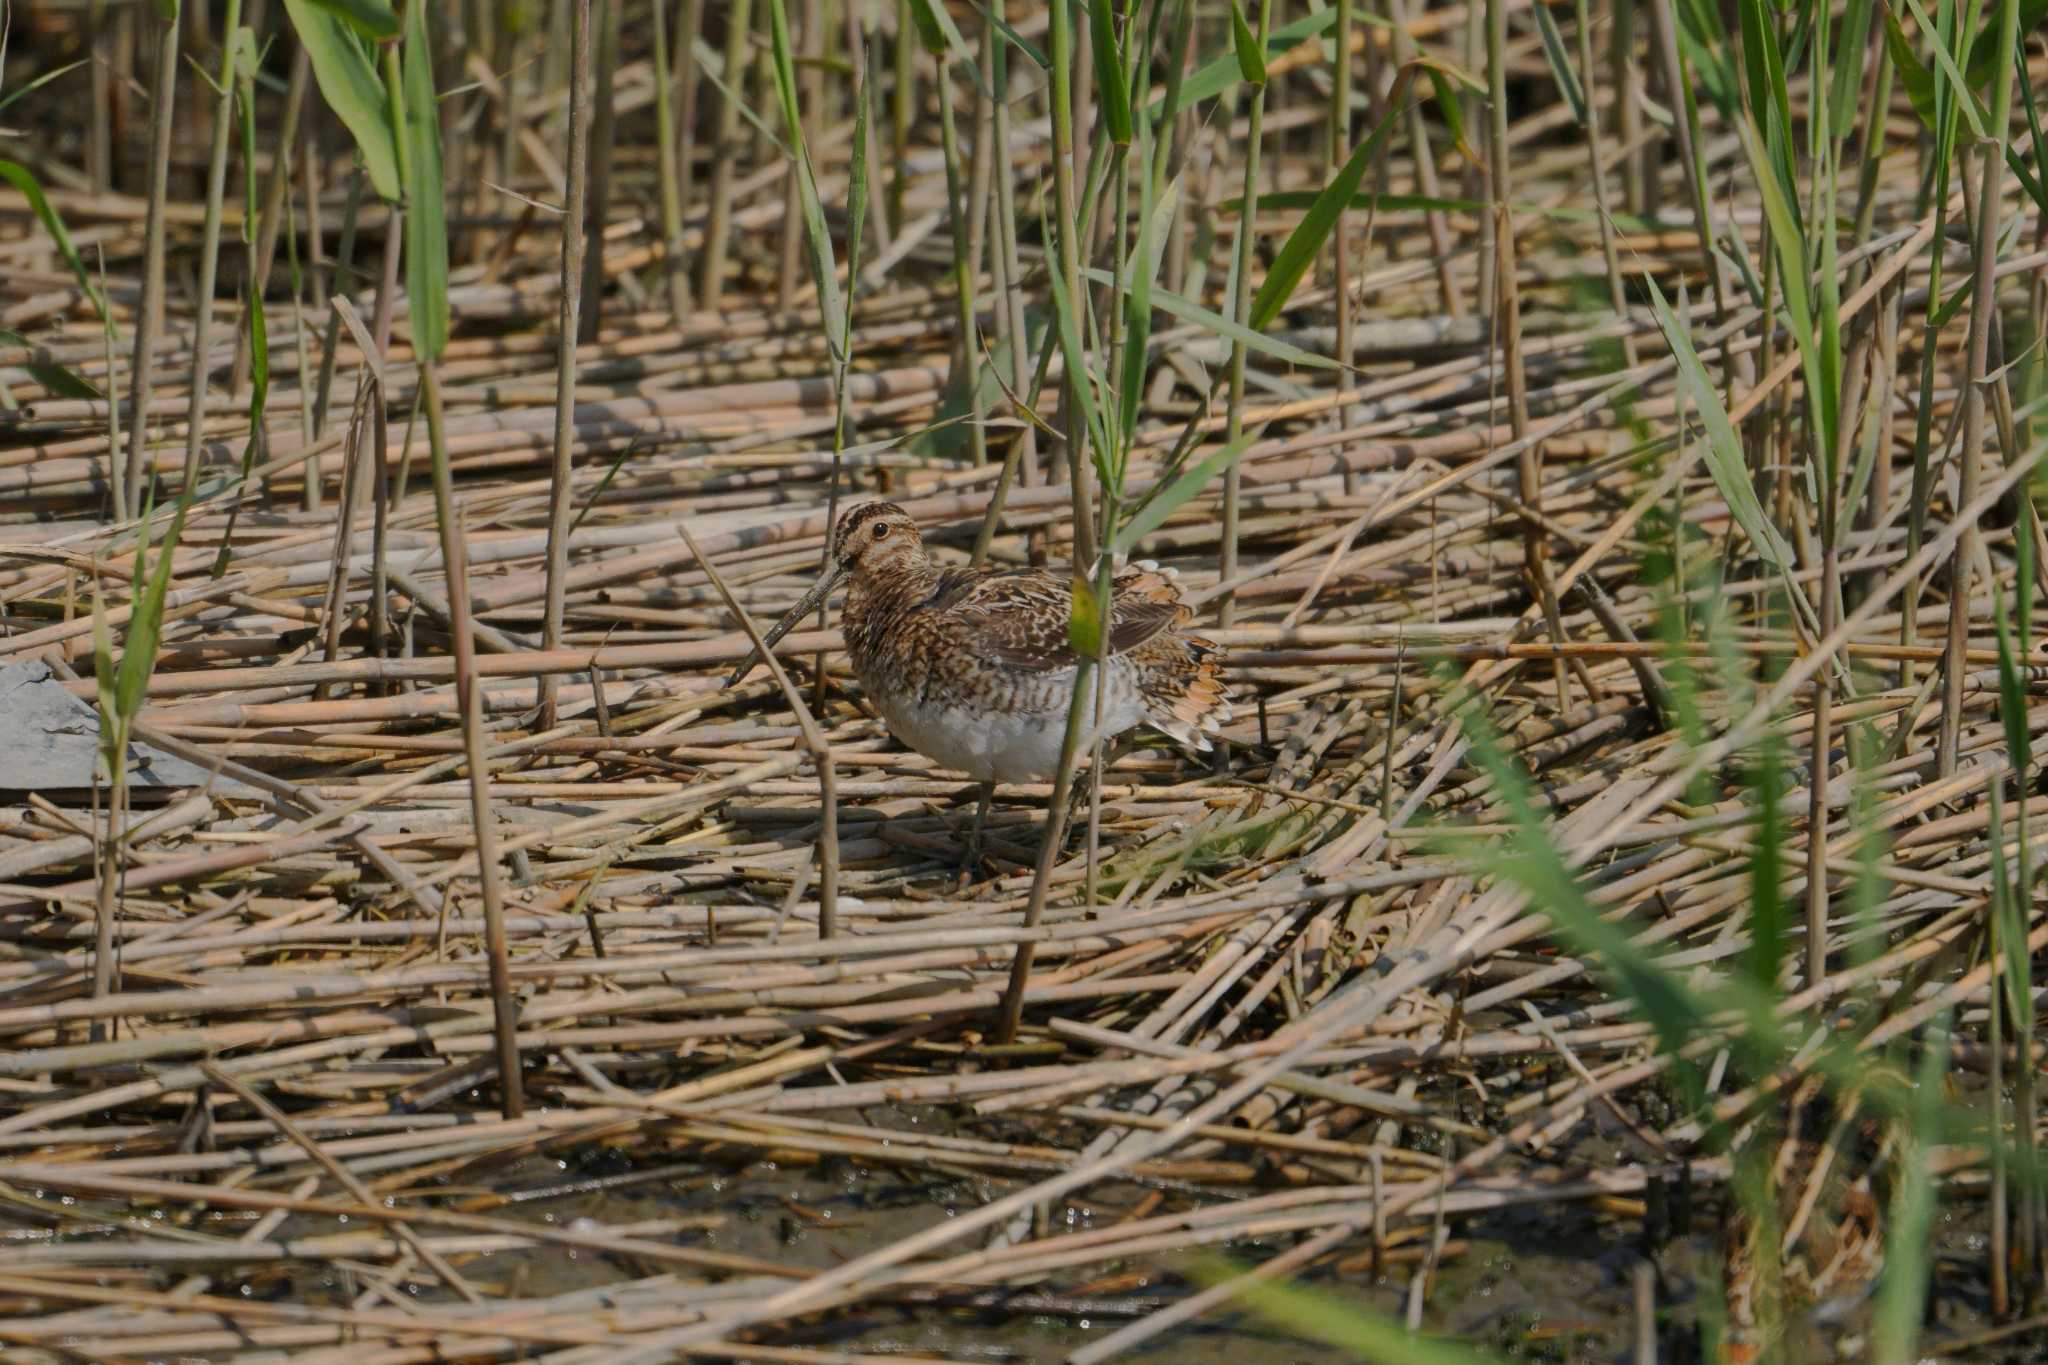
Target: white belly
{"type": "Point", "coordinates": [991, 745]}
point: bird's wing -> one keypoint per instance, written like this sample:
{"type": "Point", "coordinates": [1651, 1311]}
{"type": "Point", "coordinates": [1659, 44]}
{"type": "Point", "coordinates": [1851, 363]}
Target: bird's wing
{"type": "Point", "coordinates": [1019, 616]}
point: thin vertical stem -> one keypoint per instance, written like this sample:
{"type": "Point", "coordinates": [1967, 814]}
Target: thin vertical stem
{"type": "Point", "coordinates": [338, 283]}
{"type": "Point", "coordinates": [667, 169]}
{"type": "Point", "coordinates": [469, 696]}
{"type": "Point", "coordinates": [725, 148]}
{"type": "Point", "coordinates": [604, 120]}
{"type": "Point", "coordinates": [99, 140]}
{"type": "Point", "coordinates": [1240, 309]}
{"type": "Point", "coordinates": [902, 102]}
{"type": "Point", "coordinates": [1338, 140]}
{"type": "Point", "coordinates": [1071, 248]}
{"type": "Point", "coordinates": [968, 340]}
{"type": "Point", "coordinates": [264, 251]}
{"type": "Point", "coordinates": [162, 96]}
{"type": "Point", "coordinates": [1022, 461]}
{"type": "Point", "coordinates": [1507, 321]}
{"type": "Point", "coordinates": [815, 742]}
{"type": "Point", "coordinates": [209, 248]}
{"type": "Point", "coordinates": [1609, 256]}
{"type": "Point", "coordinates": [689, 17]}
{"type": "Point", "coordinates": [1983, 306]}
{"type": "Point", "coordinates": [566, 327]}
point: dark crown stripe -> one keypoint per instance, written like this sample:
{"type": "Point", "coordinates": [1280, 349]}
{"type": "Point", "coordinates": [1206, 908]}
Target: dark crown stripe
{"type": "Point", "coordinates": [857, 517]}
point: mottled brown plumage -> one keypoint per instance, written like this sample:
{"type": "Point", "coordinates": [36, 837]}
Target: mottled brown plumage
{"type": "Point", "coordinates": [972, 667]}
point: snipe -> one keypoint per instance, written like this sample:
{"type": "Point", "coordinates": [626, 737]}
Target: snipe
{"type": "Point", "coordinates": [972, 667]}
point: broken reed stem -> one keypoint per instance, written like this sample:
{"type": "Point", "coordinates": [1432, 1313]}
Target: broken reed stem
{"type": "Point", "coordinates": [341, 1175]}
{"type": "Point", "coordinates": [814, 741]}
{"type": "Point", "coordinates": [339, 284]}
{"type": "Point", "coordinates": [455, 555]}
{"type": "Point", "coordinates": [568, 327]}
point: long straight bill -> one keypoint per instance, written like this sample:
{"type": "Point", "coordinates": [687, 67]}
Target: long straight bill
{"type": "Point", "coordinates": [816, 595]}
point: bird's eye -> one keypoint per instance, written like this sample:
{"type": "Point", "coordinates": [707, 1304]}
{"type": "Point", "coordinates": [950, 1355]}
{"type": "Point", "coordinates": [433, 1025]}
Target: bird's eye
{"type": "Point", "coordinates": [881, 529]}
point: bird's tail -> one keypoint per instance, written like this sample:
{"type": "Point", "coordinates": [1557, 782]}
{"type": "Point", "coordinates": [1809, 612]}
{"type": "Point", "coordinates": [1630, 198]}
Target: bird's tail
{"type": "Point", "coordinates": [1185, 694]}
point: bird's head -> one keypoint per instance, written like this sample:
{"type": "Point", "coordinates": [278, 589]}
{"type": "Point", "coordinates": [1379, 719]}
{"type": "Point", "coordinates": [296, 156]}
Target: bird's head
{"type": "Point", "coordinates": [873, 540]}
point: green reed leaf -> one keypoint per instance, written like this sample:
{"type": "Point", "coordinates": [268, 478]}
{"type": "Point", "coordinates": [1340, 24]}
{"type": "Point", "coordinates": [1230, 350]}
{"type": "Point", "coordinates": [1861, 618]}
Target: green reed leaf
{"type": "Point", "coordinates": [24, 180]}
{"type": "Point", "coordinates": [1723, 452]}
{"type": "Point", "coordinates": [1251, 59]}
{"type": "Point", "coordinates": [374, 19]}
{"type": "Point", "coordinates": [347, 77]}
{"type": "Point", "coordinates": [60, 380]}
{"type": "Point", "coordinates": [1153, 512]}
{"type": "Point", "coordinates": [1305, 243]}
{"type": "Point", "coordinates": [1110, 68]}
{"type": "Point", "coordinates": [426, 217]}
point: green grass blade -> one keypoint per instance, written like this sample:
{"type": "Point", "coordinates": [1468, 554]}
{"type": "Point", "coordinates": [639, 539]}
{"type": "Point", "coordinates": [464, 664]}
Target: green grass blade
{"type": "Point", "coordinates": [1154, 511]}
{"type": "Point", "coordinates": [2036, 186]}
{"type": "Point", "coordinates": [1141, 273]}
{"type": "Point", "coordinates": [259, 365]}
{"type": "Point", "coordinates": [1530, 860]}
{"type": "Point", "coordinates": [1767, 918]}
{"type": "Point", "coordinates": [1251, 61]}
{"type": "Point", "coordinates": [1913, 72]}
{"type": "Point", "coordinates": [24, 180]}
{"type": "Point", "coordinates": [1946, 72]}
{"type": "Point", "coordinates": [1187, 310]}
{"type": "Point", "coordinates": [1723, 454]}
{"type": "Point", "coordinates": [1067, 318]}
{"type": "Point", "coordinates": [1219, 75]}
{"type": "Point", "coordinates": [1764, 70]}
{"type": "Point", "coordinates": [823, 272]}
{"type": "Point", "coordinates": [1110, 67]}
{"type": "Point", "coordinates": [1902, 1286]}
{"type": "Point", "coordinates": [929, 30]}
{"type": "Point", "coordinates": [1984, 55]}
{"type": "Point", "coordinates": [247, 60]}
{"type": "Point", "coordinates": [859, 175]}
{"type": "Point", "coordinates": [145, 623]}
{"type": "Point", "coordinates": [104, 673]}
{"type": "Point", "coordinates": [1312, 1315]}
{"type": "Point", "coordinates": [964, 55]}
{"type": "Point", "coordinates": [347, 78]}
{"type": "Point", "coordinates": [41, 81]}
{"type": "Point", "coordinates": [61, 380]}
{"type": "Point", "coordinates": [2012, 687]}
{"type": "Point", "coordinates": [1424, 203]}
{"type": "Point", "coordinates": [1560, 64]}
{"type": "Point", "coordinates": [2009, 925]}
{"type": "Point", "coordinates": [1845, 96]}
{"type": "Point", "coordinates": [1303, 245]}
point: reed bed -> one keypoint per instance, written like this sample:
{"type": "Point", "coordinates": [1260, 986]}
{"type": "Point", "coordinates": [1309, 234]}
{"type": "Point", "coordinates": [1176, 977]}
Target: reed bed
{"type": "Point", "coordinates": [1593, 556]}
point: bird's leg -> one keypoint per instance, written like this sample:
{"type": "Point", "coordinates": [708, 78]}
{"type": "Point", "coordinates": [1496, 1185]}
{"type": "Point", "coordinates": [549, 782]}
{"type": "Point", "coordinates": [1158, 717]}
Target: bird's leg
{"type": "Point", "coordinates": [1078, 800]}
{"type": "Point", "coordinates": [972, 861]}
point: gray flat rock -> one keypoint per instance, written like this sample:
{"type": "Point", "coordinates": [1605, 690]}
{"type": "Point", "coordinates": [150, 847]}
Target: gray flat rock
{"type": "Point", "coordinates": [49, 741]}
